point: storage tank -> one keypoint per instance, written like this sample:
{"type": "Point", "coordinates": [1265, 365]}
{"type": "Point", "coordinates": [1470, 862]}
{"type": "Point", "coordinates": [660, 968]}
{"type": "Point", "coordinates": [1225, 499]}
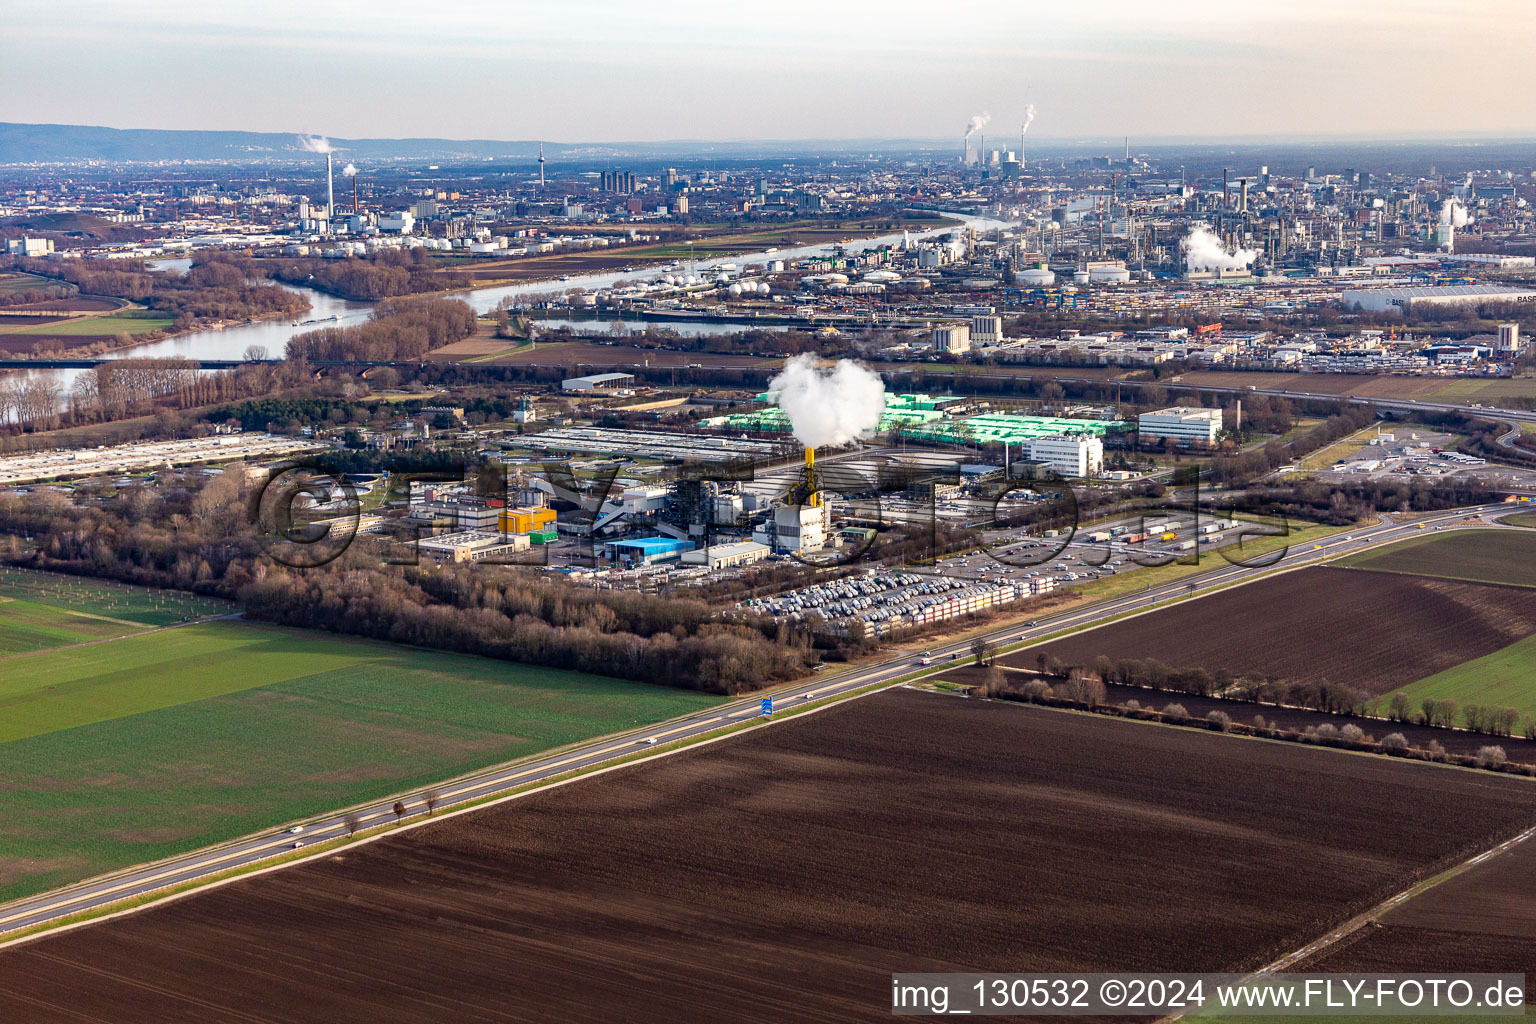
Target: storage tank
{"type": "Point", "coordinates": [1080, 277]}
{"type": "Point", "coordinates": [1109, 275]}
{"type": "Point", "coordinates": [1037, 277]}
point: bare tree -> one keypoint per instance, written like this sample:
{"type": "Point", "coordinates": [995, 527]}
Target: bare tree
{"type": "Point", "coordinates": [399, 809]}
{"type": "Point", "coordinates": [431, 798]}
{"type": "Point", "coordinates": [1083, 688]}
{"type": "Point", "coordinates": [1491, 757]}
{"type": "Point", "coordinates": [255, 353]}
{"type": "Point", "coordinates": [352, 821]}
{"type": "Point", "coordinates": [984, 650]}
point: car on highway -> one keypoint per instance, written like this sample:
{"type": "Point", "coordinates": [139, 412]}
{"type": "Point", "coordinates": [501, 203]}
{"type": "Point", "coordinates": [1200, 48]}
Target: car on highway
{"type": "Point", "coordinates": [296, 830]}
{"type": "Point", "coordinates": [649, 741]}
{"type": "Point", "coordinates": [298, 843]}
{"type": "Point", "coordinates": [926, 659]}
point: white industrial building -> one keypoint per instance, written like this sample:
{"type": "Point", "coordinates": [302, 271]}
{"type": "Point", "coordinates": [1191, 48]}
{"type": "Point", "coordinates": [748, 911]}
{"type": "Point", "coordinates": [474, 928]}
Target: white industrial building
{"type": "Point", "coordinates": [1071, 455]}
{"type": "Point", "coordinates": [798, 528]}
{"type": "Point", "coordinates": [724, 556]}
{"type": "Point", "coordinates": [473, 546]}
{"type": "Point", "coordinates": [952, 338]}
{"type": "Point", "coordinates": [1408, 300]}
{"type": "Point", "coordinates": [598, 381]}
{"type": "Point", "coordinates": [28, 246]}
{"type": "Point", "coordinates": [986, 330]}
{"type": "Point", "coordinates": [1184, 425]}
{"type": "Point", "coordinates": [402, 222]}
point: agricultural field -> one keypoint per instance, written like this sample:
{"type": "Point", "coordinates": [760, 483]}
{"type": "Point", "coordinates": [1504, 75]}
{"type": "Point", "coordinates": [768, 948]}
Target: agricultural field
{"type": "Point", "coordinates": [1373, 630]}
{"type": "Point", "coordinates": [18, 281]}
{"type": "Point", "coordinates": [44, 610]}
{"type": "Point", "coordinates": [1526, 518]}
{"type": "Point", "coordinates": [100, 326]}
{"type": "Point", "coordinates": [1482, 920]}
{"type": "Point", "coordinates": [785, 873]}
{"type": "Point", "coordinates": [1485, 556]}
{"type": "Point", "coordinates": [117, 753]}
{"type": "Point", "coordinates": [1505, 678]}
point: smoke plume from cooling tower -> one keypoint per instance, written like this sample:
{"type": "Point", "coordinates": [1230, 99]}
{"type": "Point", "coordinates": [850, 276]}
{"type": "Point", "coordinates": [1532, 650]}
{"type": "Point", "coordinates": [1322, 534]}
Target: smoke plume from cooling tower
{"type": "Point", "coordinates": [1453, 213]}
{"type": "Point", "coordinates": [1204, 251]}
{"type": "Point", "coordinates": [1029, 119]}
{"type": "Point", "coordinates": [976, 124]}
{"type": "Point", "coordinates": [829, 406]}
{"type": "Point", "coordinates": [316, 143]}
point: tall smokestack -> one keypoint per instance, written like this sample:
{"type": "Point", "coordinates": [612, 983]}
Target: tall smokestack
{"type": "Point", "coordinates": [541, 166]}
{"type": "Point", "coordinates": [354, 193]}
{"type": "Point", "coordinates": [1021, 147]}
{"type": "Point", "coordinates": [1225, 202]}
{"type": "Point", "coordinates": [330, 192]}
{"type": "Point", "coordinates": [981, 151]}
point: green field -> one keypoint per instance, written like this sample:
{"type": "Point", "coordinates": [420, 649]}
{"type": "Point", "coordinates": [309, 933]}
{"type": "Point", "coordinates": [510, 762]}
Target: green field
{"type": "Point", "coordinates": [39, 611]}
{"type": "Point", "coordinates": [1482, 556]}
{"type": "Point", "coordinates": [1527, 518]}
{"type": "Point", "coordinates": [104, 326]}
{"type": "Point", "coordinates": [1505, 678]}
{"type": "Point", "coordinates": [118, 753]}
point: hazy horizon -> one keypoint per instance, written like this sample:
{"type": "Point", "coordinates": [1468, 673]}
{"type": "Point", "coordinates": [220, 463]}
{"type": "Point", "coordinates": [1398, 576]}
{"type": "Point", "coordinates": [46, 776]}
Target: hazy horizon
{"type": "Point", "coordinates": [1195, 70]}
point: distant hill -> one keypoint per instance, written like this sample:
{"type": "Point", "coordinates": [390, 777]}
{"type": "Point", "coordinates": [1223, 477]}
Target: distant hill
{"type": "Point", "coordinates": [64, 143]}
{"type": "Point", "coordinates": [51, 143]}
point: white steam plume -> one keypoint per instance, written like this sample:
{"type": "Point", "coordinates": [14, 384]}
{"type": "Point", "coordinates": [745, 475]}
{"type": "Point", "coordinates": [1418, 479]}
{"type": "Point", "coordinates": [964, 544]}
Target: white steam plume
{"type": "Point", "coordinates": [1029, 118]}
{"type": "Point", "coordinates": [316, 143]}
{"type": "Point", "coordinates": [829, 406]}
{"type": "Point", "coordinates": [350, 170]}
{"type": "Point", "coordinates": [1204, 251]}
{"type": "Point", "coordinates": [976, 124]}
{"type": "Point", "coordinates": [1453, 213]}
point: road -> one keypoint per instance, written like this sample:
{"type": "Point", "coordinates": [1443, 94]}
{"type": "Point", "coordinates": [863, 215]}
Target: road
{"type": "Point", "coordinates": [98, 893]}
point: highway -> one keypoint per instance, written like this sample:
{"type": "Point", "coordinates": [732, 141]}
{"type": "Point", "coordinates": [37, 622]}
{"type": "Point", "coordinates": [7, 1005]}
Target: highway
{"type": "Point", "coordinates": [102, 892]}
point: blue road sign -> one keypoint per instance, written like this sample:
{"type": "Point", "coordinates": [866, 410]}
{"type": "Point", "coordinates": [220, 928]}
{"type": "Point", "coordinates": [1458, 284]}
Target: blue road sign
{"type": "Point", "coordinates": [767, 705]}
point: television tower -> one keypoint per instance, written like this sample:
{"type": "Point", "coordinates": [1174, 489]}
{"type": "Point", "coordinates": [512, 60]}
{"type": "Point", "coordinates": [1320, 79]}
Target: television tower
{"type": "Point", "coordinates": [541, 167]}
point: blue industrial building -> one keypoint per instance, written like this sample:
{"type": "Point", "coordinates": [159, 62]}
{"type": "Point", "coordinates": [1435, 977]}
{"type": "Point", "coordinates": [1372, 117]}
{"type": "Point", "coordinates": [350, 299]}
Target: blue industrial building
{"type": "Point", "coordinates": [646, 550]}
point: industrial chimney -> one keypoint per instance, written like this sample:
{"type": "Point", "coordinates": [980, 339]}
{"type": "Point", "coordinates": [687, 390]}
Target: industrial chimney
{"type": "Point", "coordinates": [330, 194]}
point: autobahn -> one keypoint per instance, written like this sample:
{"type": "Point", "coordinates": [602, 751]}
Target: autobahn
{"type": "Point", "coordinates": [100, 894]}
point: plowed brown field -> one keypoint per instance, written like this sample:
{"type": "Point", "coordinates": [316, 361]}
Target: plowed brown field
{"type": "Point", "coordinates": [1482, 921]}
{"type": "Point", "coordinates": [1372, 630]}
{"type": "Point", "coordinates": [784, 874]}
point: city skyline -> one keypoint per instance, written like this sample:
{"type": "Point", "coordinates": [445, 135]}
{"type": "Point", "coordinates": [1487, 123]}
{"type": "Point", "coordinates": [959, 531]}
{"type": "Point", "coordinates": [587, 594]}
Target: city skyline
{"type": "Point", "coordinates": [1368, 69]}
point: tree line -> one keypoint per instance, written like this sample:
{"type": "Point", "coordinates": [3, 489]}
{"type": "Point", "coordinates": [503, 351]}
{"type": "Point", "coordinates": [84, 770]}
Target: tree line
{"type": "Point", "coordinates": [401, 329]}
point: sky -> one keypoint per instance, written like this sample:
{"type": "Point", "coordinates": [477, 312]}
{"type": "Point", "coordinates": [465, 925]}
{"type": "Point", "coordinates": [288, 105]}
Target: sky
{"type": "Point", "coordinates": [655, 70]}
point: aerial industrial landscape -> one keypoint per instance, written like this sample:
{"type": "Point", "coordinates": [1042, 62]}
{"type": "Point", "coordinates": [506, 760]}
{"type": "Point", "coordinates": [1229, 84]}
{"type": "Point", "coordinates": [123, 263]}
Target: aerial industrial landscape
{"type": "Point", "coordinates": [563, 552]}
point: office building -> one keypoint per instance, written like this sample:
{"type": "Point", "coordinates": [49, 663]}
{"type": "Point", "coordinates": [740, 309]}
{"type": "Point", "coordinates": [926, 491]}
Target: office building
{"type": "Point", "coordinates": [1186, 426]}
{"type": "Point", "coordinates": [1074, 455]}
